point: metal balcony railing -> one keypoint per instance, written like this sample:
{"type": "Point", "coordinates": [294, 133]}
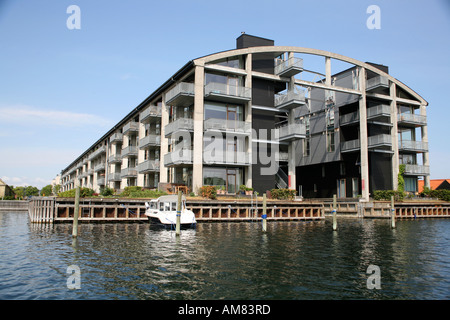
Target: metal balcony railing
{"type": "Point", "coordinates": [227, 93]}
{"type": "Point", "coordinates": [288, 68]}
{"type": "Point", "coordinates": [182, 156]}
{"type": "Point", "coordinates": [349, 118]}
{"type": "Point", "coordinates": [182, 93]}
{"type": "Point", "coordinates": [151, 111]}
{"type": "Point", "coordinates": [292, 132]}
{"type": "Point", "coordinates": [417, 146]}
{"type": "Point", "coordinates": [148, 166]}
{"type": "Point", "coordinates": [150, 140]}
{"type": "Point", "coordinates": [376, 82]}
{"type": "Point", "coordinates": [419, 170]}
{"type": "Point", "coordinates": [182, 124]}
{"type": "Point", "coordinates": [115, 176]}
{"type": "Point", "coordinates": [130, 151]}
{"type": "Point", "coordinates": [411, 118]}
{"type": "Point", "coordinates": [379, 140]}
{"type": "Point", "coordinates": [379, 110]}
{"type": "Point", "coordinates": [227, 126]}
{"type": "Point", "coordinates": [238, 158]}
{"type": "Point", "coordinates": [116, 137]}
{"type": "Point", "coordinates": [128, 172]}
{"type": "Point", "coordinates": [97, 153]}
{"type": "Point", "coordinates": [130, 127]}
{"type": "Point", "coordinates": [290, 99]}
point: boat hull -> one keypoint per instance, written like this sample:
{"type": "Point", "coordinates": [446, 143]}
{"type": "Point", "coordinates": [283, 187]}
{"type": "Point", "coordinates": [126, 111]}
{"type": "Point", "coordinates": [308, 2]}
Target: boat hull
{"type": "Point", "coordinates": [156, 222]}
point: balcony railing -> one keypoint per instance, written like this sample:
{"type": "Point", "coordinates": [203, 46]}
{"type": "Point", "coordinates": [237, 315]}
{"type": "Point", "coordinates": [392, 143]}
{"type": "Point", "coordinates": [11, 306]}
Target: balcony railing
{"type": "Point", "coordinates": [115, 176]}
{"type": "Point", "coordinates": [227, 93]}
{"type": "Point", "coordinates": [349, 118]}
{"type": "Point", "coordinates": [411, 118]}
{"type": "Point", "coordinates": [419, 170]}
{"type": "Point", "coordinates": [116, 158]}
{"type": "Point", "coordinates": [130, 127]}
{"type": "Point", "coordinates": [180, 95]}
{"type": "Point", "coordinates": [350, 145]}
{"type": "Point", "coordinates": [377, 82]}
{"type": "Point", "coordinates": [97, 152]}
{"type": "Point", "coordinates": [182, 124]}
{"type": "Point", "coordinates": [128, 172]}
{"type": "Point", "coordinates": [292, 132]}
{"type": "Point", "coordinates": [288, 68]}
{"type": "Point", "coordinates": [178, 157]}
{"type": "Point", "coordinates": [379, 140]}
{"type": "Point", "coordinates": [149, 141]}
{"type": "Point", "coordinates": [290, 99]}
{"type": "Point", "coordinates": [234, 126]}
{"type": "Point", "coordinates": [148, 166]}
{"type": "Point", "coordinates": [101, 181]}
{"type": "Point", "coordinates": [116, 137]}
{"type": "Point", "coordinates": [379, 110]}
{"type": "Point", "coordinates": [99, 167]}
{"type": "Point", "coordinates": [417, 146]}
{"type": "Point", "coordinates": [151, 111]}
{"type": "Point", "coordinates": [130, 151]}
{"type": "Point", "coordinates": [237, 158]}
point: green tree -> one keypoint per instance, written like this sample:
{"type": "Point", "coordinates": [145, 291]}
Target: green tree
{"type": "Point", "coordinates": [47, 190]}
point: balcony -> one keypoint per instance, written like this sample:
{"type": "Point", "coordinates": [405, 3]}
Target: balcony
{"type": "Point", "coordinates": [101, 181]}
{"type": "Point", "coordinates": [148, 166]}
{"type": "Point", "coordinates": [220, 157]}
{"type": "Point", "coordinates": [115, 176]}
{"type": "Point", "coordinates": [97, 153]}
{"type": "Point", "coordinates": [288, 68]}
{"type": "Point", "coordinates": [292, 132]}
{"type": "Point", "coordinates": [351, 145]}
{"type": "Point", "coordinates": [116, 158]}
{"type": "Point", "coordinates": [381, 140]}
{"type": "Point", "coordinates": [349, 118]}
{"type": "Point", "coordinates": [417, 170]}
{"type": "Point", "coordinates": [149, 113]}
{"type": "Point", "coordinates": [128, 172]}
{"type": "Point", "coordinates": [130, 151]}
{"type": "Point", "coordinates": [181, 95]}
{"type": "Point", "coordinates": [377, 82]}
{"type": "Point", "coordinates": [414, 146]}
{"type": "Point", "coordinates": [290, 99]}
{"type": "Point", "coordinates": [130, 127]}
{"type": "Point", "coordinates": [282, 156]}
{"type": "Point", "coordinates": [381, 110]}
{"type": "Point", "coordinates": [234, 126]}
{"type": "Point", "coordinates": [116, 138]}
{"type": "Point", "coordinates": [151, 140]}
{"type": "Point", "coordinates": [411, 119]}
{"type": "Point", "coordinates": [227, 93]}
{"type": "Point", "coordinates": [178, 157]}
{"type": "Point", "coordinates": [99, 167]}
{"type": "Point", "coordinates": [182, 124]}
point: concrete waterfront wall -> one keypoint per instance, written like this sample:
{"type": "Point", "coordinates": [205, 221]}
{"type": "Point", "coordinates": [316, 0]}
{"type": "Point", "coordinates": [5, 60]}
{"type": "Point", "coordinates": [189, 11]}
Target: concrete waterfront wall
{"type": "Point", "coordinates": [13, 205]}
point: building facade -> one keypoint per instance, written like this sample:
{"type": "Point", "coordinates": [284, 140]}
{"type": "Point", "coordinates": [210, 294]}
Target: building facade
{"type": "Point", "coordinates": [266, 116]}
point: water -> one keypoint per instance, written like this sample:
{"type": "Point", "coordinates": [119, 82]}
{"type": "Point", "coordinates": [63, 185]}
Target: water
{"type": "Point", "coordinates": [292, 260]}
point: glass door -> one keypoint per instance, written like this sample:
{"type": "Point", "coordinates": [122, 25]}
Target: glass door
{"type": "Point", "coordinates": [231, 181]}
{"type": "Point", "coordinates": [233, 86]}
{"type": "Point", "coordinates": [341, 188]}
{"type": "Point", "coordinates": [231, 117]}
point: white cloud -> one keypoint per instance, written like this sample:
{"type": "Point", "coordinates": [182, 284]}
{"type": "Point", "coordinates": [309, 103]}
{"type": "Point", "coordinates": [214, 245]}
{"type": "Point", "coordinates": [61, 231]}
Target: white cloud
{"type": "Point", "coordinates": [26, 181]}
{"type": "Point", "coordinates": [26, 115]}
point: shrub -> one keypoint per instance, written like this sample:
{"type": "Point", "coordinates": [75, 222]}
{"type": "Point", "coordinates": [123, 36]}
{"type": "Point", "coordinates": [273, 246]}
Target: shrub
{"type": "Point", "coordinates": [107, 192]}
{"type": "Point", "coordinates": [84, 192]}
{"type": "Point", "coordinates": [387, 194]}
{"type": "Point", "coordinates": [283, 194]}
{"type": "Point", "coordinates": [208, 192]}
{"type": "Point", "coordinates": [437, 194]}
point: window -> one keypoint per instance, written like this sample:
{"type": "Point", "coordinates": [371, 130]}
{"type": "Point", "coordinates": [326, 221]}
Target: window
{"type": "Point", "coordinates": [306, 147]}
{"type": "Point", "coordinates": [330, 142]}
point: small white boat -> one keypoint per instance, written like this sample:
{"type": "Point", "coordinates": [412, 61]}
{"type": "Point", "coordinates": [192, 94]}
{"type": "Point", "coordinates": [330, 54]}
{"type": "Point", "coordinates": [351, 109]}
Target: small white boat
{"type": "Point", "coordinates": [163, 211]}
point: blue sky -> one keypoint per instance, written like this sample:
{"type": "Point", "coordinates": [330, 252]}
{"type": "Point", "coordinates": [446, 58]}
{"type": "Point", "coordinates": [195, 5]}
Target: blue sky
{"type": "Point", "coordinates": [61, 89]}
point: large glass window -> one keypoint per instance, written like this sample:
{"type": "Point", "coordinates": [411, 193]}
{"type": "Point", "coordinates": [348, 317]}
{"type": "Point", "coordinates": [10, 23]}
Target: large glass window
{"type": "Point", "coordinates": [330, 141]}
{"type": "Point", "coordinates": [223, 111]}
{"type": "Point", "coordinates": [228, 178]}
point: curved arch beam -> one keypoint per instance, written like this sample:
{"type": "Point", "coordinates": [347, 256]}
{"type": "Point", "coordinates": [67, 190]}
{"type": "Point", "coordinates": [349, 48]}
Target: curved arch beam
{"type": "Point", "coordinates": [277, 50]}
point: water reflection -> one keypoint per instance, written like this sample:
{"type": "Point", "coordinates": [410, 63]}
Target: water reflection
{"type": "Point", "coordinates": [292, 260]}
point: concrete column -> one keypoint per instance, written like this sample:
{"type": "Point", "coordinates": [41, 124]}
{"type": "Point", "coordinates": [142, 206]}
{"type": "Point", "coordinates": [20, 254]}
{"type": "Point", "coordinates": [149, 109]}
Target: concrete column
{"type": "Point", "coordinates": [363, 140]}
{"type": "Point", "coordinates": [197, 167]}
{"type": "Point", "coordinates": [394, 135]}
{"type": "Point", "coordinates": [248, 118]}
{"type": "Point", "coordinates": [426, 158]}
{"type": "Point", "coordinates": [141, 154]}
{"type": "Point", "coordinates": [164, 148]}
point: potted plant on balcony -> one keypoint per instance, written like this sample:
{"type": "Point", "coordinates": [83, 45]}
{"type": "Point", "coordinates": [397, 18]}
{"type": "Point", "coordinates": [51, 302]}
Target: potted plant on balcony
{"type": "Point", "coordinates": [220, 190]}
{"type": "Point", "coordinates": [245, 190]}
{"type": "Point", "coordinates": [248, 191]}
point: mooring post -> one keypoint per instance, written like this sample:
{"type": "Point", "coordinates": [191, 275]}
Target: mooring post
{"type": "Point", "coordinates": [75, 212]}
{"type": "Point", "coordinates": [264, 214]}
{"type": "Point", "coordinates": [392, 213]}
{"type": "Point", "coordinates": [178, 226]}
{"type": "Point", "coordinates": [334, 213]}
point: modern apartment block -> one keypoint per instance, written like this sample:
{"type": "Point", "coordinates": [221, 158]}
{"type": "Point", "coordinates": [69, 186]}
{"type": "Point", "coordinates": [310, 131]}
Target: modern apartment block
{"type": "Point", "coordinates": [266, 116]}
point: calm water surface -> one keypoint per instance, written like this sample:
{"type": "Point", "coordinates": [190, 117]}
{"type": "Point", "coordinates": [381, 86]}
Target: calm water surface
{"type": "Point", "coordinates": [292, 260]}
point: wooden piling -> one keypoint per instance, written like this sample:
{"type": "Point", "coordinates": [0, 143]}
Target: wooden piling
{"type": "Point", "coordinates": [178, 226]}
{"type": "Point", "coordinates": [334, 213]}
{"type": "Point", "coordinates": [76, 212]}
{"type": "Point", "coordinates": [264, 214]}
{"type": "Point", "coordinates": [392, 213]}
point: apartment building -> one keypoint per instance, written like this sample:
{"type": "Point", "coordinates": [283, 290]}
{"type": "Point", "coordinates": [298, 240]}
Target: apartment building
{"type": "Point", "coordinates": [266, 116]}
